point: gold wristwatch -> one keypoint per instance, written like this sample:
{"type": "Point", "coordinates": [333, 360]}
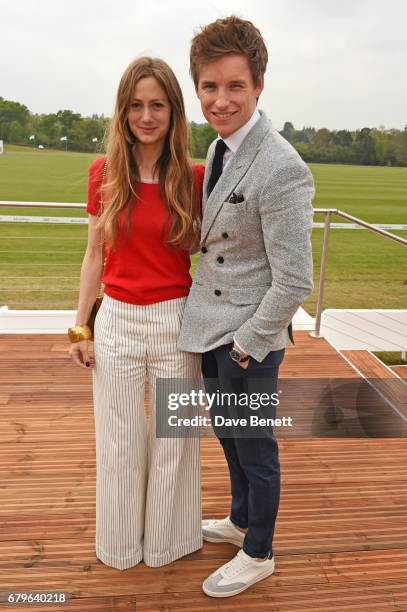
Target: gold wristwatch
{"type": "Point", "coordinates": [79, 332]}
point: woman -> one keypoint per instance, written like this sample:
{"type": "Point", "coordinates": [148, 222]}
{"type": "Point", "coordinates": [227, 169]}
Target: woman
{"type": "Point", "coordinates": [144, 208]}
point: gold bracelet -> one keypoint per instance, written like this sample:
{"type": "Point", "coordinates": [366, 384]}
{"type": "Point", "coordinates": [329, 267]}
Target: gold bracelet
{"type": "Point", "coordinates": [79, 332]}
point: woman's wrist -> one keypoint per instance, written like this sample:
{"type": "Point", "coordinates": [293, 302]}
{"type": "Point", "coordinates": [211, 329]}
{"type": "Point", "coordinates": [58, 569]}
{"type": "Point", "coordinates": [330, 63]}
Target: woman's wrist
{"type": "Point", "coordinates": [79, 333]}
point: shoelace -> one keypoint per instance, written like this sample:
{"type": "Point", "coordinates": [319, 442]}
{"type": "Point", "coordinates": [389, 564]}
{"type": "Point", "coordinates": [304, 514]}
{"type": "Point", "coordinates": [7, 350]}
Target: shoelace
{"type": "Point", "coordinates": [237, 564]}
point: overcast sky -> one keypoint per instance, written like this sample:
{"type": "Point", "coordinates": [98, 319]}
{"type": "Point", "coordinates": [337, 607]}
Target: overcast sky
{"type": "Point", "coordinates": [332, 63]}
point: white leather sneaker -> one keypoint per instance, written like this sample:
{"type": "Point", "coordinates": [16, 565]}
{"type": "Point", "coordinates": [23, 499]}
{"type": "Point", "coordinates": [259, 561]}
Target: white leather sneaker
{"type": "Point", "coordinates": [237, 575]}
{"type": "Point", "coordinates": [222, 530]}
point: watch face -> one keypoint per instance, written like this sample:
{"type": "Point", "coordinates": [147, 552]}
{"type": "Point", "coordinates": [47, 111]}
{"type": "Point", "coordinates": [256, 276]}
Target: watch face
{"type": "Point", "coordinates": [235, 355]}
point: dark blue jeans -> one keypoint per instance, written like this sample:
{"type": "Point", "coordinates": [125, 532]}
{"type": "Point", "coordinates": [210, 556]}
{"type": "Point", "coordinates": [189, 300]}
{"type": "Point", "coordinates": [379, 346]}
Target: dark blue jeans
{"type": "Point", "coordinates": [253, 462]}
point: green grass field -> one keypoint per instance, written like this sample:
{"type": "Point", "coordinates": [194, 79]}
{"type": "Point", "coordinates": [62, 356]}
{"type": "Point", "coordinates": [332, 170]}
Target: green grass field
{"type": "Point", "coordinates": [40, 263]}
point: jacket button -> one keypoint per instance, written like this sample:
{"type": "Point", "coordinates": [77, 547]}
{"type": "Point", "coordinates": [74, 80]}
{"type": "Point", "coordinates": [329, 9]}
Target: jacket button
{"type": "Point", "coordinates": [204, 249]}
{"type": "Point", "coordinates": [220, 259]}
{"type": "Point", "coordinates": [218, 292]}
{"type": "Point", "coordinates": [225, 235]}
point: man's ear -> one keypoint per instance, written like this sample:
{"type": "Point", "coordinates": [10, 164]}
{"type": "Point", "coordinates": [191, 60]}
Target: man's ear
{"type": "Point", "coordinates": [259, 87]}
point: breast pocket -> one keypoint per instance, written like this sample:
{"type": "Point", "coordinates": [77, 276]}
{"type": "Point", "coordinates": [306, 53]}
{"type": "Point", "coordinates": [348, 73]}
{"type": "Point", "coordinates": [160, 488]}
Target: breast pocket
{"type": "Point", "coordinates": [234, 208]}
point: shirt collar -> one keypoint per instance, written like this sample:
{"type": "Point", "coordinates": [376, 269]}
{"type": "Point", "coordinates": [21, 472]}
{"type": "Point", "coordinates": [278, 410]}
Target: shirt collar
{"type": "Point", "coordinates": [234, 141]}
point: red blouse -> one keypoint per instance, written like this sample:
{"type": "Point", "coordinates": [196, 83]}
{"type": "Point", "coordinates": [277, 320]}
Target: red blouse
{"type": "Point", "coordinates": [143, 269]}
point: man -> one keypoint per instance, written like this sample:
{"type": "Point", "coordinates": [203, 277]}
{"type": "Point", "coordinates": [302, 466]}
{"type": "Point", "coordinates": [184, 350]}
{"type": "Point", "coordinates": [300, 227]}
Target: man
{"type": "Point", "coordinates": [255, 270]}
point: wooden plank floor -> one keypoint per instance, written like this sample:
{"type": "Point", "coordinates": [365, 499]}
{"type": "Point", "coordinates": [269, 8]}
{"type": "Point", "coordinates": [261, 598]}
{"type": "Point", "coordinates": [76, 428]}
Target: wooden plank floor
{"type": "Point", "coordinates": [369, 365]}
{"type": "Point", "coordinates": [400, 370]}
{"type": "Point", "coordinates": [341, 538]}
{"type": "Point", "coordinates": [388, 383]}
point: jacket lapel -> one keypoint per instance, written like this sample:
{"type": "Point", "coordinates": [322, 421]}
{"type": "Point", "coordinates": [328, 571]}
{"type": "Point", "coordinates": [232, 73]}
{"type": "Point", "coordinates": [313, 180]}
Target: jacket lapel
{"type": "Point", "coordinates": [233, 174]}
{"type": "Point", "coordinates": [208, 169]}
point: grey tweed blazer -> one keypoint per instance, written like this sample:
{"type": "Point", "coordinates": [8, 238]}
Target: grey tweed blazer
{"type": "Point", "coordinates": [255, 267]}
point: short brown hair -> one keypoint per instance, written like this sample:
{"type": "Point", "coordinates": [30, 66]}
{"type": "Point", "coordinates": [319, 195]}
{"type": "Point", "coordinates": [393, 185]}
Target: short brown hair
{"type": "Point", "coordinates": [229, 35]}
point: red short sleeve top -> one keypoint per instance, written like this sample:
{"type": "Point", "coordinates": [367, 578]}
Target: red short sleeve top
{"type": "Point", "coordinates": [143, 269]}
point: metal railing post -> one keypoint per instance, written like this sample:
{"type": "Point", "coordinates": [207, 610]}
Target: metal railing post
{"type": "Point", "coordinates": [324, 257]}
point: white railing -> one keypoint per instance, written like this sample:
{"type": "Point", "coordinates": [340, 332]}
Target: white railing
{"type": "Point", "coordinates": [354, 223]}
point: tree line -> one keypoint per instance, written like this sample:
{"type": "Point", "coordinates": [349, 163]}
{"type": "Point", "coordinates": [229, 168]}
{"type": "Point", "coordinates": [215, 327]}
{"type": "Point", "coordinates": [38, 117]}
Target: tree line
{"type": "Point", "coordinates": [66, 129]}
{"type": "Point", "coordinates": [367, 147]}
{"type": "Point", "coordinates": [19, 126]}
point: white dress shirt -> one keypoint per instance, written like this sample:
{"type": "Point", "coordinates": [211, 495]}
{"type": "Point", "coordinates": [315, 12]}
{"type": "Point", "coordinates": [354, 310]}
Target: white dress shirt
{"type": "Point", "coordinates": [234, 141]}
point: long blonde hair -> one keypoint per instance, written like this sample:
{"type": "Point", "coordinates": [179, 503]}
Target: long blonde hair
{"type": "Point", "coordinates": [176, 177]}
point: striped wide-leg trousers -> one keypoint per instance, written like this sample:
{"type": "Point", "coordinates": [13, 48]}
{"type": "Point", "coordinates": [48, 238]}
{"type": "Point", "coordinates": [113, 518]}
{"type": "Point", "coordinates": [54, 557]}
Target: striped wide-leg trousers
{"type": "Point", "coordinates": [148, 502]}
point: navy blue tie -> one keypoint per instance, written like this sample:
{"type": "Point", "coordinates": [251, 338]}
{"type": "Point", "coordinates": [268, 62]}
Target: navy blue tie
{"type": "Point", "coordinates": [217, 165]}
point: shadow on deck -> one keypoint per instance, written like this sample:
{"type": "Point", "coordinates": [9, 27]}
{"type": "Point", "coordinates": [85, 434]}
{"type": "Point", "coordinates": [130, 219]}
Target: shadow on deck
{"type": "Point", "coordinates": [341, 539]}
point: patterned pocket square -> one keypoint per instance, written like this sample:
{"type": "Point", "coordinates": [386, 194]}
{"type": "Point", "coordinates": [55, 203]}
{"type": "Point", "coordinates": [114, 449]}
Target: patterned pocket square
{"type": "Point", "coordinates": [235, 198]}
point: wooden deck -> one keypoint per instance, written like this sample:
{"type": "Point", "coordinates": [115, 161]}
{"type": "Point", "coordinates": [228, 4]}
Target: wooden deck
{"type": "Point", "coordinates": [400, 370]}
{"type": "Point", "coordinates": [341, 539]}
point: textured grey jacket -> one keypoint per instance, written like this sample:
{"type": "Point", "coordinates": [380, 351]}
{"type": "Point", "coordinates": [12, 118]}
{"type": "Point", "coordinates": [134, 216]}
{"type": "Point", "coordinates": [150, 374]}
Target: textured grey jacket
{"type": "Point", "coordinates": [255, 267]}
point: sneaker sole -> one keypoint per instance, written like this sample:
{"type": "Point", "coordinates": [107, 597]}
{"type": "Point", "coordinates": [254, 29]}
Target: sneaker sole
{"type": "Point", "coordinates": [236, 542]}
{"type": "Point", "coordinates": [241, 589]}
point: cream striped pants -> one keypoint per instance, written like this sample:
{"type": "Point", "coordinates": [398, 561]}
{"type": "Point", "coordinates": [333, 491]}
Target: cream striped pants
{"type": "Point", "coordinates": [148, 502]}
